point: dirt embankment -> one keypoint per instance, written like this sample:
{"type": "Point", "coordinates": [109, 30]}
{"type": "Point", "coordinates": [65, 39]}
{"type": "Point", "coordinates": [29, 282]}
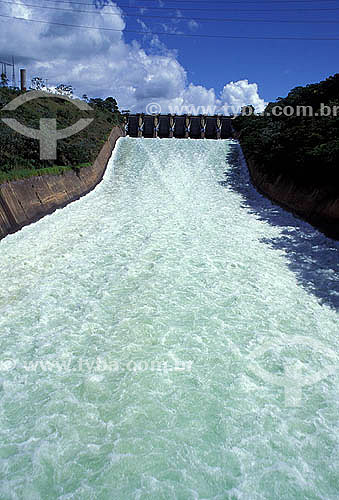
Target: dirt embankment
{"type": "Point", "coordinates": [315, 206]}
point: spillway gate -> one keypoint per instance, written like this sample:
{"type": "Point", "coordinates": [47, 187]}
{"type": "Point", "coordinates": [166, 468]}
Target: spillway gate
{"type": "Point", "coordinates": [178, 126]}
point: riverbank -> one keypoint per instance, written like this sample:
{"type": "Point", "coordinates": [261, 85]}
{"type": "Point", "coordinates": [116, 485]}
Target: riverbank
{"type": "Point", "coordinates": [292, 152]}
{"type": "Point", "coordinates": [28, 200]}
{"type": "Point", "coordinates": [313, 205]}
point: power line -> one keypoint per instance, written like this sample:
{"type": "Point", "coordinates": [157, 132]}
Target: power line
{"type": "Point", "coordinates": [190, 35]}
{"type": "Point", "coordinates": [177, 8]}
{"type": "Point", "coordinates": [211, 8]}
{"type": "Point", "coordinates": [218, 19]}
{"type": "Point", "coordinates": [241, 2]}
{"type": "Point", "coordinates": [198, 9]}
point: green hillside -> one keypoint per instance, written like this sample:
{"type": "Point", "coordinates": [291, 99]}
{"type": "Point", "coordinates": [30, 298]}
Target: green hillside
{"type": "Point", "coordinates": [302, 149]}
{"type": "Point", "coordinates": [19, 155]}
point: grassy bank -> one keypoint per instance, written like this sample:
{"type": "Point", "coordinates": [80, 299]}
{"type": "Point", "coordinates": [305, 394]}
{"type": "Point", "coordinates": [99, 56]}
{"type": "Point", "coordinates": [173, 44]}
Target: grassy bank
{"type": "Point", "coordinates": [25, 173]}
{"type": "Point", "coordinates": [19, 155]}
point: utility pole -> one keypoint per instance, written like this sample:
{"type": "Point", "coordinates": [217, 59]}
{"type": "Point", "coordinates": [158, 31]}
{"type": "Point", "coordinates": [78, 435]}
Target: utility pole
{"type": "Point", "coordinates": [13, 74]}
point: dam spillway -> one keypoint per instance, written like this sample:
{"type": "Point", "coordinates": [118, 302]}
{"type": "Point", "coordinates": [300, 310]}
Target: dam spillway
{"type": "Point", "coordinates": [178, 126]}
{"type": "Point", "coordinates": [128, 325]}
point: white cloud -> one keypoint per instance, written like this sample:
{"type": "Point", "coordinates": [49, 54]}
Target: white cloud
{"type": "Point", "coordinates": [237, 94]}
{"type": "Point", "coordinates": [143, 25]}
{"type": "Point", "coordinates": [193, 25]}
{"type": "Point", "coordinates": [102, 63]}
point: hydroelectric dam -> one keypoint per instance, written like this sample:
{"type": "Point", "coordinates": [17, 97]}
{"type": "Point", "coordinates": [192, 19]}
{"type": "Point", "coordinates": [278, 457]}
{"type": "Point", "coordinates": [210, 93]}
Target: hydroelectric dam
{"type": "Point", "coordinates": [178, 126]}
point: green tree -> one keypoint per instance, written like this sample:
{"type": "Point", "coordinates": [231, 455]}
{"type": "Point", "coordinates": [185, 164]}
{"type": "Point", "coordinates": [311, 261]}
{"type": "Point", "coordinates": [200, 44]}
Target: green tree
{"type": "Point", "coordinates": [38, 83]}
{"type": "Point", "coordinates": [66, 90]}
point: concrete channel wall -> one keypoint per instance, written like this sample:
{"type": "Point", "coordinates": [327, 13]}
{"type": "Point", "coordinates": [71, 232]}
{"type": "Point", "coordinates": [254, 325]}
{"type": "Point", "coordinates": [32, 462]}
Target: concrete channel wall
{"type": "Point", "coordinates": [28, 200]}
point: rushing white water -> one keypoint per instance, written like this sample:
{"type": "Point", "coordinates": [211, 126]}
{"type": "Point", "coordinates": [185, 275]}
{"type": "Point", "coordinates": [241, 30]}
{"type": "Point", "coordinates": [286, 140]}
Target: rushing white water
{"type": "Point", "coordinates": [172, 262]}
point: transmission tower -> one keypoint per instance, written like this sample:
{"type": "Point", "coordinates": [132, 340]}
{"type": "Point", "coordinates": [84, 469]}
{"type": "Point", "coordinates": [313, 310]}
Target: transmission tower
{"type": "Point", "coordinates": [4, 65]}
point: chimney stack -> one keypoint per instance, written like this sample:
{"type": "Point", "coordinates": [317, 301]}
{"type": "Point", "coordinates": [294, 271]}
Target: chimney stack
{"type": "Point", "coordinates": [23, 80]}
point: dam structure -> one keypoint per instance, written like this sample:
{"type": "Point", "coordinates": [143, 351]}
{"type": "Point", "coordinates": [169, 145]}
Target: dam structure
{"type": "Point", "coordinates": [178, 126]}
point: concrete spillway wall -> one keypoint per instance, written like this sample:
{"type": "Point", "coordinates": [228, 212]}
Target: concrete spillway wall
{"type": "Point", "coordinates": [179, 126]}
{"type": "Point", "coordinates": [315, 206]}
{"type": "Point", "coordinates": [27, 200]}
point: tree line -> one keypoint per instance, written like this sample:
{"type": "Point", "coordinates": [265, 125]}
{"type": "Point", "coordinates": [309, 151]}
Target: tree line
{"type": "Point", "coordinates": [304, 149]}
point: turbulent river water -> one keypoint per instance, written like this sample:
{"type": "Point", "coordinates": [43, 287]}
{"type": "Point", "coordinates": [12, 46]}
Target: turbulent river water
{"type": "Point", "coordinates": [171, 335]}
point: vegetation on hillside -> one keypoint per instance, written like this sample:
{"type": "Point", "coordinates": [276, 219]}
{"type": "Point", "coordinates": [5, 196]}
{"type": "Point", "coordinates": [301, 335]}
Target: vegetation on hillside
{"type": "Point", "coordinates": [304, 149]}
{"type": "Point", "coordinates": [20, 155]}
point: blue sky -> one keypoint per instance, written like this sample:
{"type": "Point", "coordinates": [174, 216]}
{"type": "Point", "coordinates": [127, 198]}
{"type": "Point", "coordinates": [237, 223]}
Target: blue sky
{"type": "Point", "coordinates": [141, 68]}
{"type": "Point", "coordinates": [275, 65]}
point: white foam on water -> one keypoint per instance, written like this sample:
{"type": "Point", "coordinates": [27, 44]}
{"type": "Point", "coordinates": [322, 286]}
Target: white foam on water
{"type": "Point", "coordinates": [167, 262]}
